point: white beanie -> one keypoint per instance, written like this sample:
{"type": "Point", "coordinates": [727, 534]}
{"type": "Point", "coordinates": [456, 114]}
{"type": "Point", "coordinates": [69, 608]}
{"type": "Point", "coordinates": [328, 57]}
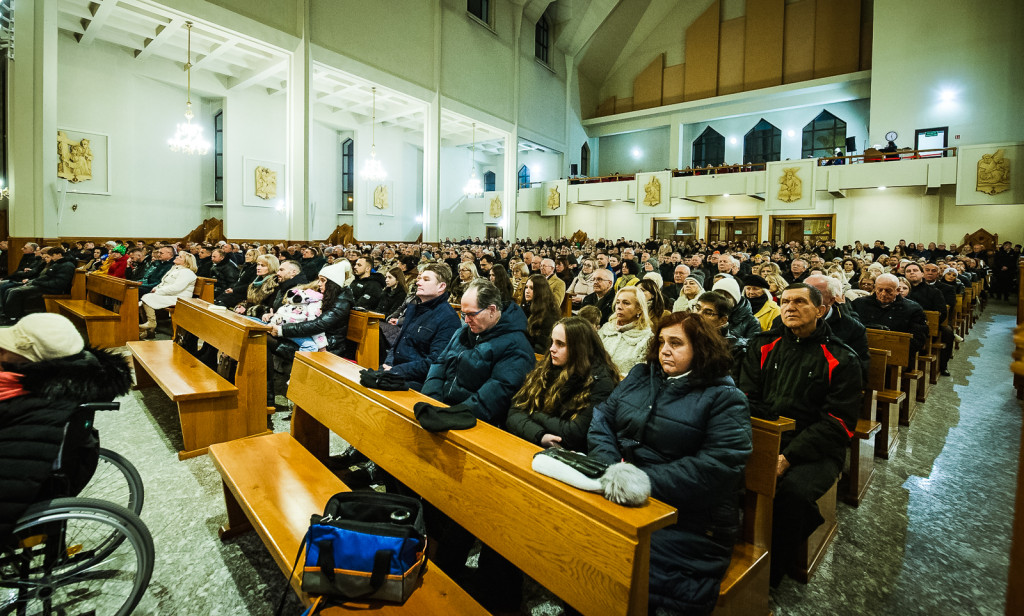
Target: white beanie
{"type": "Point", "coordinates": [339, 272]}
{"type": "Point", "coordinates": [656, 277]}
{"type": "Point", "coordinates": [42, 336]}
{"type": "Point", "coordinates": [730, 286]}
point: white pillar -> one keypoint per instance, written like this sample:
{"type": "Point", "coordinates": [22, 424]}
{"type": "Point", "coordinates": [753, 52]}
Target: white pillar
{"type": "Point", "coordinates": [299, 113]}
{"type": "Point", "coordinates": [431, 210]}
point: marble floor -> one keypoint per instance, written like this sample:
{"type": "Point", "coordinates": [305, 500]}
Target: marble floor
{"type": "Point", "coordinates": [931, 537]}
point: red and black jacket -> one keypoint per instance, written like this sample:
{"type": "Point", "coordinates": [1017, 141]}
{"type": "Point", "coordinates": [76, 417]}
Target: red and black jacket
{"type": "Point", "coordinates": [816, 381]}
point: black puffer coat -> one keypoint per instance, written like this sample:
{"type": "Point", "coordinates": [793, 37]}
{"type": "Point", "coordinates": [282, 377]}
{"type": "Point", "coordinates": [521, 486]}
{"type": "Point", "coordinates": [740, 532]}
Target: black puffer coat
{"type": "Point", "coordinates": [694, 440]}
{"type": "Point", "coordinates": [32, 424]}
{"type": "Point", "coordinates": [333, 322]}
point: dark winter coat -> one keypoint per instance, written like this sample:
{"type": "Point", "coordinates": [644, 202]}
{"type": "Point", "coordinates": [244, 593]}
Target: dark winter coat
{"type": "Point", "coordinates": [426, 330]}
{"type": "Point", "coordinates": [742, 322]}
{"type": "Point", "coordinates": [899, 315]}
{"type": "Point", "coordinates": [311, 267]}
{"type": "Point", "coordinates": [693, 440]}
{"type": "Point", "coordinates": [573, 430]}
{"type": "Point", "coordinates": [930, 298]}
{"type": "Point", "coordinates": [815, 381]}
{"type": "Point", "coordinates": [483, 371]}
{"type": "Point", "coordinates": [605, 304]}
{"type": "Point", "coordinates": [225, 273]}
{"type": "Point", "coordinates": [390, 300]}
{"type": "Point", "coordinates": [154, 274]}
{"type": "Point", "coordinates": [367, 291]}
{"type": "Point", "coordinates": [56, 279]}
{"type": "Point", "coordinates": [333, 321]}
{"type": "Point", "coordinates": [204, 267]}
{"type": "Point", "coordinates": [32, 425]}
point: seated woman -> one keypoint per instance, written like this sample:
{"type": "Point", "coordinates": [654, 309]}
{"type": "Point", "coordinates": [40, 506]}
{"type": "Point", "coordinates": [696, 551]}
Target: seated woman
{"type": "Point", "coordinates": [680, 419]}
{"type": "Point", "coordinates": [499, 276]}
{"type": "Point", "coordinates": [520, 274]}
{"type": "Point", "coordinates": [627, 333]}
{"type": "Point", "coordinates": [541, 313]}
{"type": "Point", "coordinates": [556, 402]}
{"type": "Point", "coordinates": [583, 284]}
{"type": "Point", "coordinates": [235, 294]}
{"type": "Point", "coordinates": [179, 281]}
{"type": "Point", "coordinates": [467, 274]}
{"type": "Point", "coordinates": [395, 292]}
{"type": "Point", "coordinates": [655, 301]}
{"type": "Point", "coordinates": [259, 296]}
{"type": "Point", "coordinates": [687, 302]}
{"type": "Point", "coordinates": [333, 320]}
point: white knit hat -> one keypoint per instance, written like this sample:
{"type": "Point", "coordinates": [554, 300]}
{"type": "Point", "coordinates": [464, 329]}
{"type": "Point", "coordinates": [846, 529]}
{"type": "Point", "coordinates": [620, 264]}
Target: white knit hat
{"type": "Point", "coordinates": [42, 336]}
{"type": "Point", "coordinates": [730, 286]}
{"type": "Point", "coordinates": [339, 272]}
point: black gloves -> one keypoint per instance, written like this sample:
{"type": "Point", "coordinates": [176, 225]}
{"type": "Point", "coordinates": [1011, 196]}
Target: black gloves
{"type": "Point", "coordinates": [382, 379]}
{"type": "Point", "coordinates": [439, 419]}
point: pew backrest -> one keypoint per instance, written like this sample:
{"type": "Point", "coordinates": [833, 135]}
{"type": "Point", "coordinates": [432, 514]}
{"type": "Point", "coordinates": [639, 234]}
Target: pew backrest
{"type": "Point", "coordinates": [228, 332]}
{"type": "Point", "coordinates": [896, 342]}
{"type": "Point", "coordinates": [760, 479]}
{"type": "Point", "coordinates": [99, 286]}
{"type": "Point", "coordinates": [364, 330]}
{"type": "Point", "coordinates": [204, 288]}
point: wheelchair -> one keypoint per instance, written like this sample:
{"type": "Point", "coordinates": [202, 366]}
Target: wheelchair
{"type": "Point", "coordinates": [84, 551]}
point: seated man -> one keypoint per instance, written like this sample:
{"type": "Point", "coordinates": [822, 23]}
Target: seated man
{"type": "Point", "coordinates": [368, 285]}
{"type": "Point", "coordinates": [716, 307]}
{"type": "Point", "coordinates": [802, 372]}
{"type": "Point", "coordinates": [163, 259]}
{"type": "Point", "coordinates": [602, 297]}
{"type": "Point", "coordinates": [885, 309]}
{"type": "Point", "coordinates": [55, 279]}
{"type": "Point", "coordinates": [224, 270]}
{"type": "Point", "coordinates": [427, 328]}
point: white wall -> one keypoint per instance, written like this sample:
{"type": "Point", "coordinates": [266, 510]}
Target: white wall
{"type": "Point", "coordinates": [543, 166]}
{"type": "Point", "coordinates": [403, 163]}
{"type": "Point", "coordinates": [617, 152]}
{"type": "Point", "coordinates": [970, 49]}
{"type": "Point", "coordinates": [324, 179]}
{"type": "Point", "coordinates": [154, 192]}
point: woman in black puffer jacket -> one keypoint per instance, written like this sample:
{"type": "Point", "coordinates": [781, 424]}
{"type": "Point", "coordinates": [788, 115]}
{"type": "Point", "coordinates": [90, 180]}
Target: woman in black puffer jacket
{"type": "Point", "coordinates": [681, 420]}
{"type": "Point", "coordinates": [333, 320]}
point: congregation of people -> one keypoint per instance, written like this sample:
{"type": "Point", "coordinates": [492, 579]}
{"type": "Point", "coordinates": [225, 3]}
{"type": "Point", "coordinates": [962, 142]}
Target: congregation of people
{"type": "Point", "coordinates": [670, 348]}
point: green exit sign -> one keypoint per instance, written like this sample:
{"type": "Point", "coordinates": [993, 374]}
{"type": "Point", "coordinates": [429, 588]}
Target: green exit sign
{"type": "Point", "coordinates": [931, 133]}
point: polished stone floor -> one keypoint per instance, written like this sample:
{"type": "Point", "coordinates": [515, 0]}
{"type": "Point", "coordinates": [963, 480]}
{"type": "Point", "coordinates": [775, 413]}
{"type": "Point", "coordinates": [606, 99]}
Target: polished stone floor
{"type": "Point", "coordinates": [931, 537]}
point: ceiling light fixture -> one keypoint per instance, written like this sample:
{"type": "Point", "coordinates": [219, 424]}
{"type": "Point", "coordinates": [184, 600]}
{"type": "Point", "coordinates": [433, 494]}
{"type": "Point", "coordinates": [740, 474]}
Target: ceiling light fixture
{"type": "Point", "coordinates": [188, 138]}
{"type": "Point", "coordinates": [473, 187]}
{"type": "Point", "coordinates": [373, 170]}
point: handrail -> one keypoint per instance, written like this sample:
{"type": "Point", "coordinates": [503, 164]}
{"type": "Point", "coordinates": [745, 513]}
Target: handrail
{"type": "Point", "coordinates": [879, 156]}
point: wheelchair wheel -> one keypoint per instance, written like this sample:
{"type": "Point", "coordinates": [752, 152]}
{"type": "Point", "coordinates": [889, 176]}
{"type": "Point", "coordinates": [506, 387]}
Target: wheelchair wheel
{"type": "Point", "coordinates": [117, 481]}
{"type": "Point", "coordinates": [75, 557]}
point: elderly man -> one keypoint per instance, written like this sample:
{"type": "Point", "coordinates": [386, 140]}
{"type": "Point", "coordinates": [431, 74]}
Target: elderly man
{"type": "Point", "coordinates": [885, 309]}
{"type": "Point", "coordinates": [162, 261]}
{"type": "Point", "coordinates": [841, 318]}
{"type": "Point", "coordinates": [797, 271]}
{"type": "Point", "coordinates": [547, 269]}
{"type": "Point", "coordinates": [602, 297]}
{"type": "Point", "coordinates": [671, 290]}
{"type": "Point", "coordinates": [803, 372]}
{"type": "Point", "coordinates": [924, 291]}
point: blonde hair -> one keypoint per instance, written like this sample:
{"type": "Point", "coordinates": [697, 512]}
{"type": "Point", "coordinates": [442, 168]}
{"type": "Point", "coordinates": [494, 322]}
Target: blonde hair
{"type": "Point", "coordinates": [270, 261]}
{"type": "Point", "coordinates": [188, 260]}
{"type": "Point", "coordinates": [466, 265]}
{"type": "Point", "coordinates": [643, 318]}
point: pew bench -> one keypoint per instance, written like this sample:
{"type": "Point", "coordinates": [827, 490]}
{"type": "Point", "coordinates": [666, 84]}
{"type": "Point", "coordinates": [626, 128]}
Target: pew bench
{"type": "Point", "coordinates": [899, 376]}
{"type": "Point", "coordinates": [203, 290]}
{"type": "Point", "coordinates": [552, 532]}
{"type": "Point", "coordinates": [77, 292]}
{"type": "Point", "coordinates": [364, 332]}
{"type": "Point", "coordinates": [210, 409]}
{"type": "Point", "coordinates": [814, 547]}
{"type": "Point", "coordinates": [272, 484]}
{"type": "Point", "coordinates": [862, 460]}
{"type": "Point", "coordinates": [884, 406]}
{"type": "Point", "coordinates": [105, 328]}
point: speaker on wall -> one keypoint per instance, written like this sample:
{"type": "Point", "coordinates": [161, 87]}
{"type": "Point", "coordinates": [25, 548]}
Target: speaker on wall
{"type": "Point", "coordinates": [574, 169]}
{"type": "Point", "coordinates": [851, 144]}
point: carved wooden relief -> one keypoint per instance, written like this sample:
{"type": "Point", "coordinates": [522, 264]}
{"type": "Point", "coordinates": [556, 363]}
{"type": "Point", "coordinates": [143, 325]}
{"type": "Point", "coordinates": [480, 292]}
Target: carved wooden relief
{"type": "Point", "coordinates": [791, 187]}
{"type": "Point", "coordinates": [75, 164]}
{"type": "Point", "coordinates": [993, 173]}
{"type": "Point", "coordinates": [266, 183]}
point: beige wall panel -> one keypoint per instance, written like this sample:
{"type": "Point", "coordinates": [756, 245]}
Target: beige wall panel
{"type": "Point", "coordinates": [866, 32]}
{"type": "Point", "coordinates": [798, 42]}
{"type": "Point", "coordinates": [731, 37]}
{"type": "Point", "coordinates": [672, 84]}
{"type": "Point", "coordinates": [647, 85]}
{"type": "Point", "coordinates": [281, 15]}
{"type": "Point", "coordinates": [762, 52]}
{"type": "Point", "coordinates": [701, 73]}
{"type": "Point", "coordinates": [606, 108]}
{"type": "Point", "coordinates": [836, 37]}
{"type": "Point", "coordinates": [622, 105]}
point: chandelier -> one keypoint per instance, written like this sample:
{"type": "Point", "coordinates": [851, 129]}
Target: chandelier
{"type": "Point", "coordinates": [473, 187]}
{"type": "Point", "coordinates": [188, 139]}
{"type": "Point", "coordinates": [372, 170]}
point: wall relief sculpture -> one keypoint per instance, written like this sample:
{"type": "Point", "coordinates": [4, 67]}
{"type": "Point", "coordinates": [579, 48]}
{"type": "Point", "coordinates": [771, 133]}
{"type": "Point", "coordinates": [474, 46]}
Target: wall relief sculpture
{"type": "Point", "coordinates": [652, 192]}
{"type": "Point", "coordinates": [495, 210]}
{"type": "Point", "coordinates": [993, 173]}
{"type": "Point", "coordinates": [554, 198]}
{"type": "Point", "coordinates": [266, 183]}
{"type": "Point", "coordinates": [75, 159]}
{"type": "Point", "coordinates": [791, 188]}
{"type": "Point", "coordinates": [380, 197]}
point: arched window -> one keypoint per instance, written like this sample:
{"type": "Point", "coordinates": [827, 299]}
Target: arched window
{"type": "Point", "coordinates": [762, 144]}
{"type": "Point", "coordinates": [347, 175]}
{"type": "Point", "coordinates": [709, 149]}
{"type": "Point", "coordinates": [542, 38]}
{"type": "Point", "coordinates": [823, 135]}
{"type": "Point", "coordinates": [524, 177]}
{"type": "Point", "coordinates": [489, 181]}
{"type": "Point", "coordinates": [585, 160]}
{"type": "Point", "coordinates": [218, 156]}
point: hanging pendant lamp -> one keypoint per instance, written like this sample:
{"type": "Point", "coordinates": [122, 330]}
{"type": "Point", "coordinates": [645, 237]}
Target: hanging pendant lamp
{"type": "Point", "coordinates": [373, 170]}
{"type": "Point", "coordinates": [188, 139]}
{"type": "Point", "coordinates": [473, 187]}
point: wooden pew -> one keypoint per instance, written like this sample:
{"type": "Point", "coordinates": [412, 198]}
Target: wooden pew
{"type": "Point", "coordinates": [968, 320]}
{"type": "Point", "coordinates": [273, 484]}
{"type": "Point", "coordinates": [957, 323]}
{"type": "Point", "coordinates": [364, 331]}
{"type": "Point", "coordinates": [571, 535]}
{"type": "Point", "coordinates": [77, 292]}
{"type": "Point", "coordinates": [928, 358]}
{"type": "Point", "coordinates": [203, 290]}
{"type": "Point", "coordinates": [814, 547]}
{"type": "Point", "coordinates": [211, 409]}
{"type": "Point", "coordinates": [886, 404]}
{"type": "Point", "coordinates": [898, 343]}
{"type": "Point", "coordinates": [566, 307]}
{"type": "Point", "coordinates": [105, 328]}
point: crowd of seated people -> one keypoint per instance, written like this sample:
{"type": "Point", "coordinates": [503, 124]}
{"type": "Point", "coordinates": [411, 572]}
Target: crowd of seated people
{"type": "Point", "coordinates": [681, 329]}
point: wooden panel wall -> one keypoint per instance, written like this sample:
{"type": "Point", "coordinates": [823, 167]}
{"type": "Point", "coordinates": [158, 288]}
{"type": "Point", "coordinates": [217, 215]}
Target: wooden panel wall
{"type": "Point", "coordinates": [701, 73]}
{"type": "Point", "coordinates": [672, 84]}
{"type": "Point", "coordinates": [647, 85]}
{"type": "Point", "coordinates": [762, 54]}
{"type": "Point", "coordinates": [866, 32]}
{"type": "Point", "coordinates": [622, 105]}
{"type": "Point", "coordinates": [606, 108]}
{"type": "Point", "coordinates": [836, 37]}
{"type": "Point", "coordinates": [730, 55]}
{"type": "Point", "coordinates": [798, 42]}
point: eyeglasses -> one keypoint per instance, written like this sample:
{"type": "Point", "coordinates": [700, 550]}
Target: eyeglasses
{"type": "Point", "coordinates": [467, 315]}
{"type": "Point", "coordinates": [708, 313]}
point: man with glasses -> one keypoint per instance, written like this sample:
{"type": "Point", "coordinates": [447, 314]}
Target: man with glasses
{"type": "Point", "coordinates": [602, 297]}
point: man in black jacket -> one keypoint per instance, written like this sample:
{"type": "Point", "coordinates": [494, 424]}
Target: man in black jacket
{"type": "Point", "coordinates": [56, 279]}
{"type": "Point", "coordinates": [602, 297]}
{"type": "Point", "coordinates": [368, 285]}
{"type": "Point", "coordinates": [887, 310]}
{"type": "Point", "coordinates": [28, 261]}
{"type": "Point", "coordinates": [805, 373]}
{"type": "Point", "coordinates": [224, 271]}
{"type": "Point", "coordinates": [204, 263]}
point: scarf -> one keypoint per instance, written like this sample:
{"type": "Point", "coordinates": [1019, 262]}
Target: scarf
{"type": "Point", "coordinates": [10, 385]}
